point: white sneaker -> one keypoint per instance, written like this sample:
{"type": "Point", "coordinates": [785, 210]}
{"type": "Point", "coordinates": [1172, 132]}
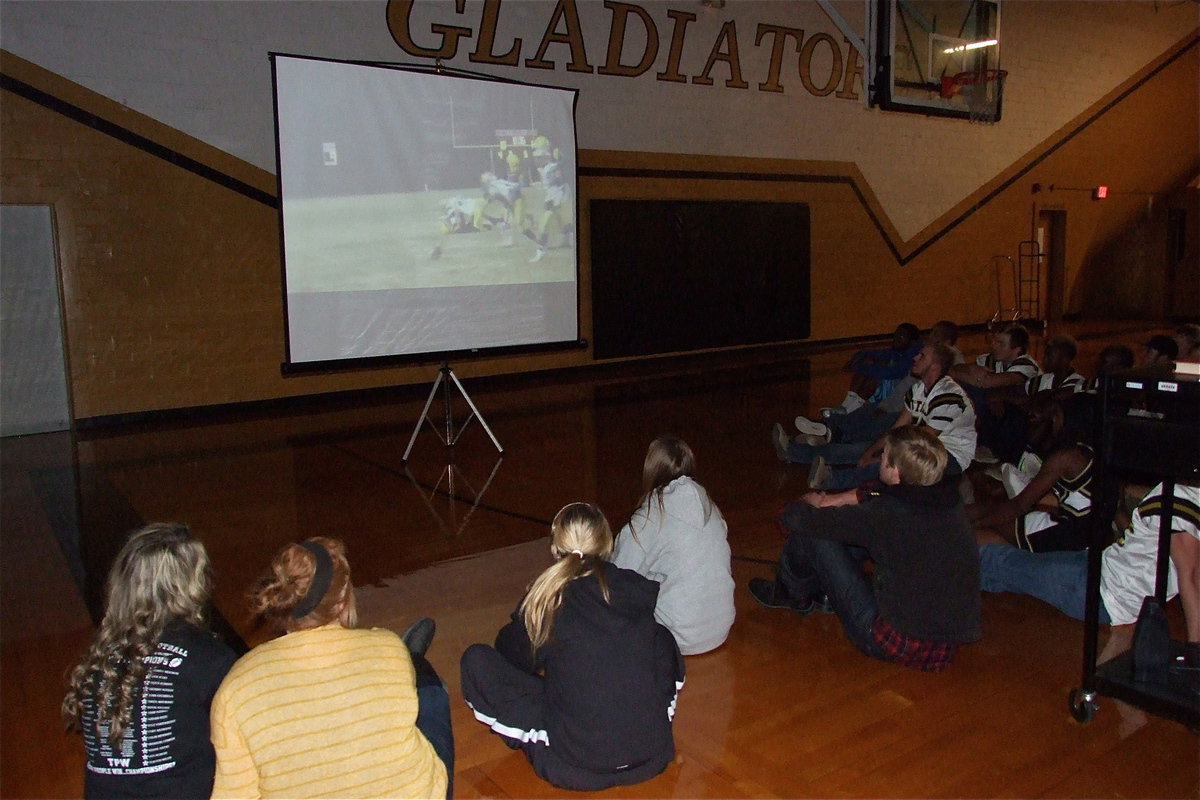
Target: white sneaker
{"type": "Point", "coordinates": [810, 428]}
{"type": "Point", "coordinates": [779, 438]}
{"type": "Point", "coordinates": [538, 256]}
{"type": "Point", "coordinates": [853, 402]}
{"type": "Point", "coordinates": [818, 473]}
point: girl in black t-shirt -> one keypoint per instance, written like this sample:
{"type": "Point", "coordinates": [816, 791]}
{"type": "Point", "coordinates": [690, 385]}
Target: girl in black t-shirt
{"type": "Point", "coordinates": [142, 693]}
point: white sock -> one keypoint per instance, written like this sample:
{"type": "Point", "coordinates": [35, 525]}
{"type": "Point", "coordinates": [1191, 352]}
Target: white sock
{"type": "Point", "coordinates": [852, 401]}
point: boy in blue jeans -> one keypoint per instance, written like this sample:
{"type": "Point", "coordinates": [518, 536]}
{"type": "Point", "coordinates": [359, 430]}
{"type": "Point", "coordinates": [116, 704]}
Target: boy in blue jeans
{"type": "Point", "coordinates": [923, 599]}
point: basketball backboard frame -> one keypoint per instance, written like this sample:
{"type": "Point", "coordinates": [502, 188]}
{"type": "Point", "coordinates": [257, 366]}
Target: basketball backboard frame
{"type": "Point", "coordinates": [916, 43]}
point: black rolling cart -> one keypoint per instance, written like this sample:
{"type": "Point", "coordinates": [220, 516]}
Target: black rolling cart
{"type": "Point", "coordinates": [1149, 427]}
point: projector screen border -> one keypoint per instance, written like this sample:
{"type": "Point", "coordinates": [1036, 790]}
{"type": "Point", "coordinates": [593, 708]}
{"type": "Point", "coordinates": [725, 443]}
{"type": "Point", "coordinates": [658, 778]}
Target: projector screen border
{"type": "Point", "coordinates": [330, 366]}
{"type": "Point", "coordinates": [288, 367]}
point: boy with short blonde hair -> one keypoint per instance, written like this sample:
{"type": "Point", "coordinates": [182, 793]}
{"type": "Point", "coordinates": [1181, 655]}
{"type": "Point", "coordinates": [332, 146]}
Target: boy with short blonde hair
{"type": "Point", "coordinates": [917, 455]}
{"type": "Point", "coordinates": [923, 600]}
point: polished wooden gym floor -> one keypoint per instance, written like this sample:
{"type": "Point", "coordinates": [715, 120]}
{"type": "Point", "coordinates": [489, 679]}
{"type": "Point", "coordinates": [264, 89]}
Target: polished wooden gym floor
{"type": "Point", "coordinates": [786, 708]}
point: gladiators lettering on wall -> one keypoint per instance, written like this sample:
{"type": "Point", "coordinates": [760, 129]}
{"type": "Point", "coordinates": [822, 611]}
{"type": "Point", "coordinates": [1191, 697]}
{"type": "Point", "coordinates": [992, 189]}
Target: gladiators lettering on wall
{"type": "Point", "coordinates": [563, 27]}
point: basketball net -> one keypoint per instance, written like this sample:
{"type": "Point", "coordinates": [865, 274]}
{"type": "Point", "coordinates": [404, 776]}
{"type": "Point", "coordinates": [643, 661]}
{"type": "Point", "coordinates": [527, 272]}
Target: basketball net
{"type": "Point", "coordinates": [981, 90]}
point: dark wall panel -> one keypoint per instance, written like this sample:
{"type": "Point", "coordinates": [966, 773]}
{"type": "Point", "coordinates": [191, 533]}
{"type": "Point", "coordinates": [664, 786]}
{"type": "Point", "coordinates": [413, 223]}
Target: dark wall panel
{"type": "Point", "coordinates": [672, 276]}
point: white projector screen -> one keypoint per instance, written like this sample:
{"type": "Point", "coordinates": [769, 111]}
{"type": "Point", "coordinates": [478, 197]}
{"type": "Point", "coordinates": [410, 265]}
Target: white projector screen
{"type": "Point", "coordinates": [424, 214]}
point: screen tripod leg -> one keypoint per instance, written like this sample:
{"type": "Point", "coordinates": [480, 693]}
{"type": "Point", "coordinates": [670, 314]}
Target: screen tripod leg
{"type": "Point", "coordinates": [424, 416]}
{"type": "Point", "coordinates": [451, 437]}
{"type": "Point", "coordinates": [475, 410]}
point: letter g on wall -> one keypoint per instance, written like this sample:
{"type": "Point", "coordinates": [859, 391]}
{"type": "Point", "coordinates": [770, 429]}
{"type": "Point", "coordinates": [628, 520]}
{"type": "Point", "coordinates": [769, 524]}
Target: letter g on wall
{"type": "Point", "coordinates": [398, 14]}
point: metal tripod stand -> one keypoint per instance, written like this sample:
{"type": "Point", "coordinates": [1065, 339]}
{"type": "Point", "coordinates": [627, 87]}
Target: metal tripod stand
{"type": "Point", "coordinates": [445, 377]}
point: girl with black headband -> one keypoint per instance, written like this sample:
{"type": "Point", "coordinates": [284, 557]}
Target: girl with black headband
{"type": "Point", "coordinates": [582, 678]}
{"type": "Point", "coordinates": [327, 709]}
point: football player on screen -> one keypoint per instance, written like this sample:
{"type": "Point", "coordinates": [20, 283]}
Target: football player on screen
{"type": "Point", "coordinates": [461, 215]}
{"type": "Point", "coordinates": [558, 211]}
{"type": "Point", "coordinates": [508, 197]}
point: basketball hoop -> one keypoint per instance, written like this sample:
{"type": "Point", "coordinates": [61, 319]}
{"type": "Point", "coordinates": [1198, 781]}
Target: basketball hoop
{"type": "Point", "coordinates": [981, 90]}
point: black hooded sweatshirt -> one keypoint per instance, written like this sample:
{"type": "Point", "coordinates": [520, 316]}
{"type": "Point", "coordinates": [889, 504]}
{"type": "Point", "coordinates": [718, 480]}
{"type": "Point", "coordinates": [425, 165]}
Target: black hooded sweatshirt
{"type": "Point", "coordinates": [611, 676]}
{"type": "Point", "coordinates": [926, 560]}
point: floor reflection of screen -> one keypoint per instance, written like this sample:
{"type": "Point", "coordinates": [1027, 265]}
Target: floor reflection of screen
{"type": "Point", "coordinates": [423, 213]}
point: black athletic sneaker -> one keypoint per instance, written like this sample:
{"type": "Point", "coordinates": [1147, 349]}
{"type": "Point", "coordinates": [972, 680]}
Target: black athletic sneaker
{"type": "Point", "coordinates": [821, 603]}
{"type": "Point", "coordinates": [419, 636]}
{"type": "Point", "coordinates": [772, 595]}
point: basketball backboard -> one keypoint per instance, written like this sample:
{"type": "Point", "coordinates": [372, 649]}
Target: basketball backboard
{"type": "Point", "coordinates": [920, 46]}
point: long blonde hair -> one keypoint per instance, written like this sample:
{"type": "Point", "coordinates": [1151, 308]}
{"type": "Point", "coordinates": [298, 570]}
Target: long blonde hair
{"type": "Point", "coordinates": [580, 539]}
{"type": "Point", "coordinates": [161, 575]}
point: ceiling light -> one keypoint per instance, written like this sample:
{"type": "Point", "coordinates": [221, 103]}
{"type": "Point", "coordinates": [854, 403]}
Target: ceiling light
{"type": "Point", "coordinates": [972, 46]}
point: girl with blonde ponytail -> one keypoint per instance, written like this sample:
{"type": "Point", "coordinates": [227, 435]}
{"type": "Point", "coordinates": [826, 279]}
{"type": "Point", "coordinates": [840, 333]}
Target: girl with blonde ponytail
{"type": "Point", "coordinates": [581, 539]}
{"type": "Point", "coordinates": [582, 678]}
{"type": "Point", "coordinates": [141, 695]}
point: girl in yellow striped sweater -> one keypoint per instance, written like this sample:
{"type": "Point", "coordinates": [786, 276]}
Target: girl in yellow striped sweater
{"type": "Point", "coordinates": [326, 709]}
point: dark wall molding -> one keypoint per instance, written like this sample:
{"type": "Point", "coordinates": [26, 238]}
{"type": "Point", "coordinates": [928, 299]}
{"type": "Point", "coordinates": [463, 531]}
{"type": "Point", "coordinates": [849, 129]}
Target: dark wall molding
{"type": "Point", "coordinates": [135, 140]}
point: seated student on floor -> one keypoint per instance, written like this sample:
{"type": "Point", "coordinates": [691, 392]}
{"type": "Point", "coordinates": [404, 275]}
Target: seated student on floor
{"type": "Point", "coordinates": [1187, 342]}
{"type": "Point", "coordinates": [935, 401]}
{"type": "Point", "coordinates": [328, 709]}
{"type": "Point", "coordinates": [1158, 349]}
{"type": "Point", "coordinates": [1128, 567]}
{"type": "Point", "coordinates": [994, 382]}
{"type": "Point", "coordinates": [678, 537]}
{"type": "Point", "coordinates": [582, 679]}
{"type": "Point", "coordinates": [1113, 358]}
{"type": "Point", "coordinates": [922, 600]}
{"type": "Point", "coordinates": [142, 693]}
{"type": "Point", "coordinates": [840, 437]}
{"type": "Point", "coordinates": [874, 372]}
{"type": "Point", "coordinates": [1049, 492]}
{"type": "Point", "coordinates": [1058, 376]}
{"type": "Point", "coordinates": [1010, 433]}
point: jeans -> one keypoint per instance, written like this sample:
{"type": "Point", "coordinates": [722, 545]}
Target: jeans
{"type": "Point", "coordinates": [852, 478]}
{"type": "Point", "coordinates": [1058, 578]}
{"type": "Point", "coordinates": [865, 424]}
{"type": "Point", "coordinates": [833, 453]}
{"type": "Point", "coordinates": [851, 435]}
{"type": "Point", "coordinates": [433, 716]}
{"type": "Point", "coordinates": [809, 566]}
{"type": "Point", "coordinates": [1005, 435]}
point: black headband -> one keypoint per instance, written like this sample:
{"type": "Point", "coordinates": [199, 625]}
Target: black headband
{"type": "Point", "coordinates": [320, 581]}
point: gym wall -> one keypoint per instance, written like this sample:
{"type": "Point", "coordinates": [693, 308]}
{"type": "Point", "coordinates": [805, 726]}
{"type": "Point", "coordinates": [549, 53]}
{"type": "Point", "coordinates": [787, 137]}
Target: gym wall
{"type": "Point", "coordinates": [147, 128]}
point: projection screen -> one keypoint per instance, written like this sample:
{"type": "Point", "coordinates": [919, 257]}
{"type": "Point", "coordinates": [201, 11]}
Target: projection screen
{"type": "Point", "coordinates": [423, 214]}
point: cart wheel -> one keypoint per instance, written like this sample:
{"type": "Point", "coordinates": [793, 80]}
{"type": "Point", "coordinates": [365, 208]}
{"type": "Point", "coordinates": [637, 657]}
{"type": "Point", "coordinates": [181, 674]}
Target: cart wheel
{"type": "Point", "coordinates": [1083, 705]}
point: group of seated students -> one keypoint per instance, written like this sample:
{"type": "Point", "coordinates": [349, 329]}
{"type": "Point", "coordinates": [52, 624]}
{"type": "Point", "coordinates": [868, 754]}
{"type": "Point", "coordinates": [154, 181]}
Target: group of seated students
{"type": "Point", "coordinates": [1034, 538]}
{"type": "Point", "coordinates": [325, 709]}
{"type": "Point", "coordinates": [584, 677]}
{"type": "Point", "coordinates": [1027, 427]}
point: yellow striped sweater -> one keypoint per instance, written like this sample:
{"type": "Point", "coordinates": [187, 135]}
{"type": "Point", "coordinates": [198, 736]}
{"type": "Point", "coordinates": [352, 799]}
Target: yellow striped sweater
{"type": "Point", "coordinates": [328, 712]}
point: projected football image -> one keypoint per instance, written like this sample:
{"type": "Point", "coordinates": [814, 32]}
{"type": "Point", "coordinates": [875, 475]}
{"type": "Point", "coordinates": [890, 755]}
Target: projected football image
{"type": "Point", "coordinates": [423, 212]}
{"type": "Point", "coordinates": [463, 237]}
